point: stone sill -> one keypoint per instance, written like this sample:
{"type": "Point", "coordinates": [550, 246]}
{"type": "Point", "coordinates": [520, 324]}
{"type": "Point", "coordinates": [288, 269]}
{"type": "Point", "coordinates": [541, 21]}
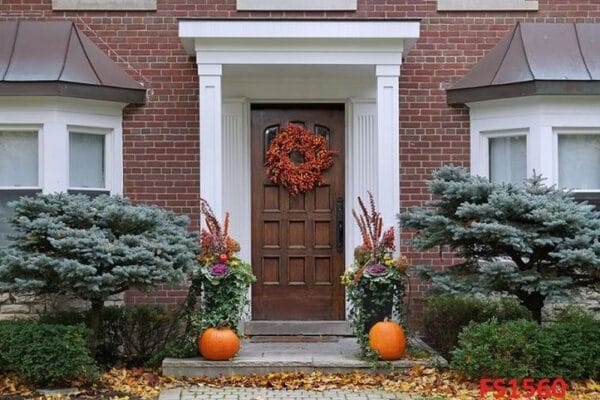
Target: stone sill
{"type": "Point", "coordinates": [104, 5]}
{"type": "Point", "coordinates": [296, 5]}
{"type": "Point", "coordinates": [487, 5]}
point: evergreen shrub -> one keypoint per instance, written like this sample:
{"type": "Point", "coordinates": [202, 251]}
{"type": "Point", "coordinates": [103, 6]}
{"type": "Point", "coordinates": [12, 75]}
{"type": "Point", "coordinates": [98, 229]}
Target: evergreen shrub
{"type": "Point", "coordinates": [131, 336]}
{"type": "Point", "coordinates": [529, 240]}
{"type": "Point", "coordinates": [44, 354]}
{"type": "Point", "coordinates": [93, 248]}
{"type": "Point", "coordinates": [568, 348]}
{"type": "Point", "coordinates": [444, 317]}
{"type": "Point", "coordinates": [575, 344]}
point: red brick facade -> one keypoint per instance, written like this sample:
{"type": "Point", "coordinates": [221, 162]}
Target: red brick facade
{"type": "Point", "coordinates": [161, 146]}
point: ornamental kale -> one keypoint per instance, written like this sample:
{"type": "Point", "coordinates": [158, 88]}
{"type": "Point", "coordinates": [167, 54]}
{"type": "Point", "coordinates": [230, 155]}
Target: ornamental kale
{"type": "Point", "coordinates": [377, 270]}
{"type": "Point", "coordinates": [219, 271]}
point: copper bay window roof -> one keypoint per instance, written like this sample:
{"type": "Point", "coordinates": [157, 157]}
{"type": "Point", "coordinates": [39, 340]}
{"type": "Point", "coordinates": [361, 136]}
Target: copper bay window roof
{"type": "Point", "coordinates": [53, 58]}
{"type": "Point", "coordinates": [535, 59]}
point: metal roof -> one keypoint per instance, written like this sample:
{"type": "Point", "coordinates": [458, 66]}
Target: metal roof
{"type": "Point", "coordinates": [534, 59]}
{"type": "Point", "coordinates": [53, 58]}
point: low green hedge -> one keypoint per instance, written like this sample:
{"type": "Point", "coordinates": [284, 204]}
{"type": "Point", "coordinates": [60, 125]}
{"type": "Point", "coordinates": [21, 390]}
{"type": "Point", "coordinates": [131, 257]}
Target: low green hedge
{"type": "Point", "coordinates": [131, 336]}
{"type": "Point", "coordinates": [568, 348]}
{"type": "Point", "coordinates": [45, 354]}
{"type": "Point", "coordinates": [444, 317]}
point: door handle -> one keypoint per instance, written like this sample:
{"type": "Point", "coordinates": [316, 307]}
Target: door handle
{"type": "Point", "coordinates": [339, 224]}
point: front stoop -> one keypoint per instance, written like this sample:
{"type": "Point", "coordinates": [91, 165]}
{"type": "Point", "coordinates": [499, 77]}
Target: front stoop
{"type": "Point", "coordinates": [264, 358]}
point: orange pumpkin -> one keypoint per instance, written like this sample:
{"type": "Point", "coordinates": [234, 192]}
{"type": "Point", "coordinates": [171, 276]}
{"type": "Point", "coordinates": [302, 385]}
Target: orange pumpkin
{"type": "Point", "coordinates": [387, 338]}
{"type": "Point", "coordinates": [218, 344]}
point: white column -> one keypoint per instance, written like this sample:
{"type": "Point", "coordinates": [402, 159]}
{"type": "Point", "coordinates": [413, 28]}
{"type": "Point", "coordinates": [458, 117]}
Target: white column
{"type": "Point", "coordinates": [361, 164]}
{"type": "Point", "coordinates": [116, 185]}
{"type": "Point", "coordinates": [211, 136]}
{"type": "Point", "coordinates": [388, 144]}
{"type": "Point", "coordinates": [545, 152]}
{"type": "Point", "coordinates": [236, 172]}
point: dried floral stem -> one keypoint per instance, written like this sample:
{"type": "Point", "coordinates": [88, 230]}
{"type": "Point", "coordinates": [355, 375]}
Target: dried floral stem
{"type": "Point", "coordinates": [370, 224]}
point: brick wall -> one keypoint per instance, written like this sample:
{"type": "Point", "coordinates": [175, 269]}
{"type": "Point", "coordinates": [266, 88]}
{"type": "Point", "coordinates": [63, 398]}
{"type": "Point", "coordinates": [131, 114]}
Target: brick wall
{"type": "Point", "coordinates": [161, 137]}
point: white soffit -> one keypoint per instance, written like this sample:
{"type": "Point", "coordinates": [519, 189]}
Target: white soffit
{"type": "Point", "coordinates": [487, 5]}
{"type": "Point", "coordinates": [296, 5]}
{"type": "Point", "coordinates": [219, 40]}
{"type": "Point", "coordinates": [103, 5]}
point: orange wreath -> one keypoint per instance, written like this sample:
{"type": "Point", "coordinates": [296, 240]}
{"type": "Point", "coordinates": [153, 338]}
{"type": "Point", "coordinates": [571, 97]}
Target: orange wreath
{"type": "Point", "coordinates": [301, 177]}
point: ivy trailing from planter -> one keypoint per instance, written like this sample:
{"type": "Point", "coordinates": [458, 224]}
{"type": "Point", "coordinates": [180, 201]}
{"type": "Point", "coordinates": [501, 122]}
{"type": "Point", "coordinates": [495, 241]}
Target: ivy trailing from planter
{"type": "Point", "coordinates": [375, 282]}
{"type": "Point", "coordinates": [373, 301]}
{"type": "Point", "coordinates": [225, 277]}
{"type": "Point", "coordinates": [219, 286]}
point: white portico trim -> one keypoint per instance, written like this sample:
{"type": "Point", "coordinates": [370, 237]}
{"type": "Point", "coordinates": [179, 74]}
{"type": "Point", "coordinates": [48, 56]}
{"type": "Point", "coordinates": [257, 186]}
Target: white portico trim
{"type": "Point", "coordinates": [368, 55]}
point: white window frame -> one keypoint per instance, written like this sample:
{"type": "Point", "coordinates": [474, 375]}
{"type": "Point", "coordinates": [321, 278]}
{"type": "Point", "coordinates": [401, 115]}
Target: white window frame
{"type": "Point", "coordinates": [487, 5]}
{"type": "Point", "coordinates": [109, 164]}
{"type": "Point", "coordinates": [296, 5]}
{"type": "Point", "coordinates": [483, 155]}
{"type": "Point", "coordinates": [40, 139]}
{"type": "Point", "coordinates": [563, 131]}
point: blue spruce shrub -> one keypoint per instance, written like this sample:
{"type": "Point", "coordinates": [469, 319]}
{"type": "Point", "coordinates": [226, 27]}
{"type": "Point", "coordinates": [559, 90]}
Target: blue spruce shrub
{"type": "Point", "coordinates": [93, 247]}
{"type": "Point", "coordinates": [531, 241]}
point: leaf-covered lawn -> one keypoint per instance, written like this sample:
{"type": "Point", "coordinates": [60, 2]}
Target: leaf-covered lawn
{"type": "Point", "coordinates": [140, 384]}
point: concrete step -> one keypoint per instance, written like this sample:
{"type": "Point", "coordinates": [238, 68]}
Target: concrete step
{"type": "Point", "coordinates": [264, 358]}
{"type": "Point", "coordinates": [297, 328]}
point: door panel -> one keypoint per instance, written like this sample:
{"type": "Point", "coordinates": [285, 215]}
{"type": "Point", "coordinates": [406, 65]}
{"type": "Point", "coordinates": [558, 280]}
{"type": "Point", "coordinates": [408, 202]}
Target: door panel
{"type": "Point", "coordinates": [296, 254]}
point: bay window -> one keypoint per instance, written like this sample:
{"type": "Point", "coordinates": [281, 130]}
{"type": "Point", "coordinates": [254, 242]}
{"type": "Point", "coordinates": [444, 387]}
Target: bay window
{"type": "Point", "coordinates": [557, 137]}
{"type": "Point", "coordinates": [50, 145]}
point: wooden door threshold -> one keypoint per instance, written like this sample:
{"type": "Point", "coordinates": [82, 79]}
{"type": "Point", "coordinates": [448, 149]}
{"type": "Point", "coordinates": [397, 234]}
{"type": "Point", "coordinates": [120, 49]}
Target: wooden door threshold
{"type": "Point", "coordinates": [294, 339]}
{"type": "Point", "coordinates": [297, 328]}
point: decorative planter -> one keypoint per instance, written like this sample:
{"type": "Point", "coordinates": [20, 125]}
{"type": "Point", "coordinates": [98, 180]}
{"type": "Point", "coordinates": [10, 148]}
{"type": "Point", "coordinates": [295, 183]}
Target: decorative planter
{"type": "Point", "coordinates": [380, 308]}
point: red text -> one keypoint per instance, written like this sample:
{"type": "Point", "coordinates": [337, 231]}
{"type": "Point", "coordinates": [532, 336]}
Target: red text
{"type": "Point", "coordinates": [526, 388]}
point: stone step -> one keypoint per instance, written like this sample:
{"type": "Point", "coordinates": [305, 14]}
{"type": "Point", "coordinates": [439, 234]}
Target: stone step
{"type": "Point", "coordinates": [265, 358]}
{"type": "Point", "coordinates": [297, 328]}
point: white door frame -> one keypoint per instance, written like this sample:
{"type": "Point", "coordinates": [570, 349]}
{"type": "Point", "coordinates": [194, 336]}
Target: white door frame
{"type": "Point", "coordinates": [372, 136]}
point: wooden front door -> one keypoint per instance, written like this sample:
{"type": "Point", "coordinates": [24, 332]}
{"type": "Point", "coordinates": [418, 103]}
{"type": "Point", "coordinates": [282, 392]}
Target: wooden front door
{"type": "Point", "coordinates": [297, 241]}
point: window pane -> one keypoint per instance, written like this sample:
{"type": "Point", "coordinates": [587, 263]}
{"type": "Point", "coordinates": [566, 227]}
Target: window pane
{"type": "Point", "coordinates": [579, 161]}
{"type": "Point", "coordinates": [270, 134]}
{"type": "Point", "coordinates": [86, 160]}
{"type": "Point", "coordinates": [508, 159]}
{"type": "Point", "coordinates": [6, 213]}
{"type": "Point", "coordinates": [18, 158]}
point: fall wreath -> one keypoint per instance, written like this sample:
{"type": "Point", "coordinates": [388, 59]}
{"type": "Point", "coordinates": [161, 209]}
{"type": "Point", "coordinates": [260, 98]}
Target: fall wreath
{"type": "Point", "coordinates": [298, 177]}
